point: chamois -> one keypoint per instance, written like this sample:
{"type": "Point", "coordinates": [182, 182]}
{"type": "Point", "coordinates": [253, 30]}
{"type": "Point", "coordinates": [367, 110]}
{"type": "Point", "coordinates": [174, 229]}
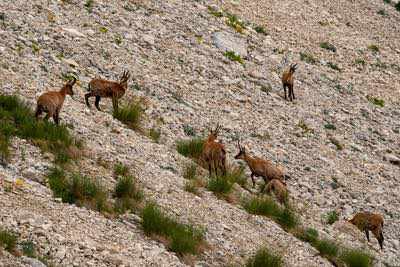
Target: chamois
{"type": "Point", "coordinates": [52, 102]}
{"type": "Point", "coordinates": [260, 167]}
{"type": "Point", "coordinates": [288, 81]}
{"type": "Point", "coordinates": [367, 221]}
{"type": "Point", "coordinates": [279, 189]}
{"type": "Point", "coordinates": [102, 88]}
{"type": "Point", "coordinates": [214, 153]}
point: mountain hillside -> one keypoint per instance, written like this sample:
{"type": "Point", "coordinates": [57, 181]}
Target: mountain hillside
{"type": "Point", "coordinates": [339, 140]}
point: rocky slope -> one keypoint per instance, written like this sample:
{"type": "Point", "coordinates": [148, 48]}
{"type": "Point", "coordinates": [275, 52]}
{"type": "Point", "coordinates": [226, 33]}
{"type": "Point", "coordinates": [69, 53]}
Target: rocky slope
{"type": "Point", "coordinates": [174, 49]}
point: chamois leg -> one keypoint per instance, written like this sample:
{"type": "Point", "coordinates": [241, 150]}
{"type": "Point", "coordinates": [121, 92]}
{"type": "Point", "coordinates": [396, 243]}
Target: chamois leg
{"type": "Point", "coordinates": [380, 240]}
{"type": "Point", "coordinates": [39, 111]}
{"type": "Point", "coordinates": [367, 234]}
{"type": "Point", "coordinates": [47, 116]}
{"type": "Point", "coordinates": [284, 88]}
{"type": "Point", "coordinates": [56, 117]}
{"type": "Point", "coordinates": [97, 102]}
{"type": "Point", "coordinates": [87, 99]}
{"type": "Point", "coordinates": [115, 103]}
{"type": "Point", "coordinates": [290, 93]}
{"type": "Point", "coordinates": [209, 169]}
{"type": "Point", "coordinates": [252, 178]}
{"type": "Point", "coordinates": [293, 93]}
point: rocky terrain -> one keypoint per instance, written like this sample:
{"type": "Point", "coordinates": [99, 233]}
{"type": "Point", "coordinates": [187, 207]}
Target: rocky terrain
{"type": "Point", "coordinates": [175, 52]}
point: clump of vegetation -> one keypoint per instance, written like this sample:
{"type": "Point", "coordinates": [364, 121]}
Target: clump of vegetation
{"type": "Point", "coordinates": [336, 142]}
{"type": "Point", "coordinates": [330, 126]}
{"type": "Point", "coordinates": [189, 130]}
{"type": "Point", "coordinates": [332, 217]}
{"type": "Point", "coordinates": [373, 48]}
{"type": "Point", "coordinates": [81, 190]}
{"type": "Point", "coordinates": [18, 120]}
{"type": "Point", "coordinates": [376, 101]}
{"type": "Point", "coordinates": [327, 248]}
{"type": "Point", "coordinates": [234, 22]}
{"type": "Point", "coordinates": [89, 5]}
{"type": "Point", "coordinates": [260, 29]}
{"type": "Point", "coordinates": [309, 235]}
{"type": "Point", "coordinates": [306, 129]}
{"type": "Point", "coordinates": [397, 6]}
{"type": "Point", "coordinates": [328, 46]}
{"type": "Point", "coordinates": [333, 66]}
{"type": "Point", "coordinates": [307, 58]}
{"type": "Point", "coordinates": [360, 61]}
{"type": "Point", "coordinates": [192, 187]}
{"type": "Point", "coordinates": [103, 30]}
{"type": "Point", "coordinates": [190, 171]}
{"type": "Point", "coordinates": [190, 148]}
{"type": "Point", "coordinates": [8, 240]}
{"type": "Point", "coordinates": [220, 185]}
{"type": "Point", "coordinates": [118, 39]}
{"type": "Point", "coordinates": [155, 134]}
{"type": "Point", "coordinates": [387, 1]}
{"type": "Point", "coordinates": [28, 249]}
{"type": "Point", "coordinates": [127, 193]}
{"type": "Point", "coordinates": [356, 258]}
{"type": "Point", "coordinates": [233, 57]}
{"type": "Point", "coordinates": [266, 206]}
{"type": "Point", "coordinates": [121, 170]}
{"type": "Point", "coordinates": [265, 258]}
{"type": "Point", "coordinates": [382, 12]}
{"type": "Point", "coordinates": [180, 238]}
{"type": "Point", "coordinates": [131, 114]}
{"type": "Point", "coordinates": [216, 13]}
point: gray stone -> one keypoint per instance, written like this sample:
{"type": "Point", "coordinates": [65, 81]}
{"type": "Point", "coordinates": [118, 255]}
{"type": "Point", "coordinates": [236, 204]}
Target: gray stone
{"type": "Point", "coordinates": [228, 42]}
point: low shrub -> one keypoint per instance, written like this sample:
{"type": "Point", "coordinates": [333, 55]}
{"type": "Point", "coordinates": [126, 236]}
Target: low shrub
{"type": "Point", "coordinates": [180, 238]}
{"type": "Point", "coordinates": [356, 258]}
{"type": "Point", "coordinates": [264, 258]}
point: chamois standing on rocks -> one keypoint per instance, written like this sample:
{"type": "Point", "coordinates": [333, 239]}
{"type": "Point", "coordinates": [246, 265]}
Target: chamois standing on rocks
{"type": "Point", "coordinates": [52, 102]}
{"type": "Point", "coordinates": [260, 167]}
{"type": "Point", "coordinates": [214, 153]}
{"type": "Point", "coordinates": [279, 189]}
{"type": "Point", "coordinates": [367, 221]}
{"type": "Point", "coordinates": [288, 81]}
{"type": "Point", "coordinates": [102, 88]}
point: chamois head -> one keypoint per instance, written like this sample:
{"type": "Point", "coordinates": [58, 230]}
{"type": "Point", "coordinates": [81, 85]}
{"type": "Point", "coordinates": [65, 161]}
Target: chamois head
{"type": "Point", "coordinates": [67, 88]}
{"type": "Point", "coordinates": [242, 151]}
{"type": "Point", "coordinates": [293, 67]}
{"type": "Point", "coordinates": [125, 77]}
{"type": "Point", "coordinates": [214, 133]}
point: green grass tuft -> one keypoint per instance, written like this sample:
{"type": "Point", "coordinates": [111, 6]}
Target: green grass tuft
{"type": "Point", "coordinates": [327, 248]}
{"type": "Point", "coordinates": [262, 206]}
{"type": "Point", "coordinates": [332, 217]}
{"type": "Point", "coordinates": [190, 171]}
{"type": "Point", "coordinates": [181, 238]}
{"type": "Point", "coordinates": [220, 185]}
{"type": "Point", "coordinates": [216, 13]}
{"type": "Point", "coordinates": [356, 258]}
{"type": "Point", "coordinates": [121, 170]}
{"type": "Point", "coordinates": [264, 258]}
{"type": "Point", "coordinates": [78, 189]}
{"type": "Point", "coordinates": [307, 58]}
{"type": "Point", "coordinates": [130, 114]}
{"type": "Point", "coordinates": [190, 148]}
{"type": "Point", "coordinates": [376, 101]}
{"type": "Point", "coordinates": [233, 57]}
{"type": "Point", "coordinates": [18, 120]}
{"type": "Point", "coordinates": [260, 29]}
{"type": "Point", "coordinates": [234, 22]}
{"type": "Point", "coordinates": [8, 240]}
{"type": "Point", "coordinates": [309, 235]}
{"type": "Point", "coordinates": [128, 194]}
{"type": "Point", "coordinates": [328, 46]}
{"type": "Point", "coordinates": [155, 134]}
{"type": "Point", "coordinates": [28, 249]}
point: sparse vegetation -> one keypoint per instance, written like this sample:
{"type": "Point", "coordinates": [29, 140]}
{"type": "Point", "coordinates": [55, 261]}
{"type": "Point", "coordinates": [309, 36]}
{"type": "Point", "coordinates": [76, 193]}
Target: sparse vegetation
{"type": "Point", "coordinates": [155, 134]}
{"type": "Point", "coordinates": [260, 29]}
{"type": "Point", "coordinates": [336, 142]}
{"type": "Point", "coordinates": [360, 61]}
{"type": "Point", "coordinates": [103, 30]}
{"type": "Point", "coordinates": [307, 58]}
{"type": "Point", "coordinates": [330, 126]}
{"type": "Point", "coordinates": [328, 46]}
{"type": "Point", "coordinates": [382, 12]}
{"type": "Point", "coordinates": [131, 114]}
{"type": "Point", "coordinates": [127, 193]}
{"type": "Point", "coordinates": [18, 120]}
{"type": "Point", "coordinates": [327, 248]}
{"type": "Point", "coordinates": [8, 240]}
{"type": "Point", "coordinates": [190, 148]}
{"type": "Point", "coordinates": [180, 238]}
{"type": "Point", "coordinates": [192, 187]}
{"type": "Point", "coordinates": [332, 217]}
{"type": "Point", "coordinates": [356, 258]}
{"type": "Point", "coordinates": [306, 129]}
{"type": "Point", "coordinates": [89, 5]}
{"type": "Point", "coordinates": [121, 170]}
{"type": "Point", "coordinates": [309, 235]}
{"type": "Point", "coordinates": [373, 48]}
{"type": "Point", "coordinates": [264, 258]}
{"type": "Point", "coordinates": [376, 101]}
{"type": "Point", "coordinates": [234, 22]}
{"type": "Point", "coordinates": [216, 13]}
{"type": "Point", "coordinates": [220, 185]}
{"type": "Point", "coordinates": [190, 171]}
{"type": "Point", "coordinates": [189, 130]}
{"type": "Point", "coordinates": [233, 57]}
{"type": "Point", "coordinates": [81, 190]}
{"type": "Point", "coordinates": [333, 66]}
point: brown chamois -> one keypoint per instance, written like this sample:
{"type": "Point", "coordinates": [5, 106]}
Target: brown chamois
{"type": "Point", "coordinates": [288, 81]}
{"type": "Point", "coordinates": [367, 221]}
{"type": "Point", "coordinates": [214, 154]}
{"type": "Point", "coordinates": [279, 189]}
{"type": "Point", "coordinates": [102, 88]}
{"type": "Point", "coordinates": [260, 167]}
{"type": "Point", "coordinates": [52, 102]}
